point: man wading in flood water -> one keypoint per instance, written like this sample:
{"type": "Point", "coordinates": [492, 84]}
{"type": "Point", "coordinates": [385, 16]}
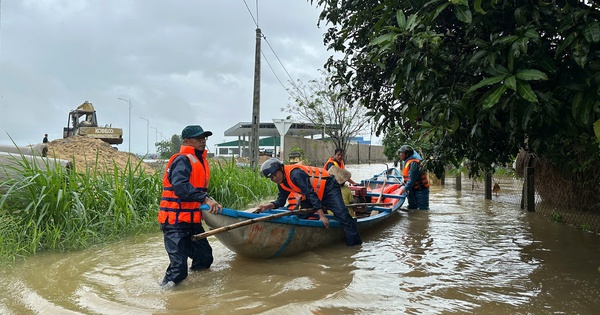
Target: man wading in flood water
{"type": "Point", "coordinates": [185, 186]}
{"type": "Point", "coordinates": [319, 188]}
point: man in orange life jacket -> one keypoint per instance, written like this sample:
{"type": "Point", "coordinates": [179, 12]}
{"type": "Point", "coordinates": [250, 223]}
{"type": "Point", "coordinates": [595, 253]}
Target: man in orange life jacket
{"type": "Point", "coordinates": [416, 185]}
{"type": "Point", "coordinates": [319, 188]}
{"type": "Point", "coordinates": [185, 184]}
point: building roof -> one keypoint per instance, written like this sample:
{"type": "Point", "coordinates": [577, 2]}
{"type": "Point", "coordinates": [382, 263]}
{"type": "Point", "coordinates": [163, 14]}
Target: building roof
{"type": "Point", "coordinates": [263, 142]}
{"type": "Point", "coordinates": [269, 130]}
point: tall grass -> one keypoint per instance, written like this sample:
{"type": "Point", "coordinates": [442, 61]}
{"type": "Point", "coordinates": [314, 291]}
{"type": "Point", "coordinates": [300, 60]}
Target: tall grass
{"type": "Point", "coordinates": [65, 209]}
{"type": "Point", "coordinates": [60, 209]}
{"type": "Point", "coordinates": [236, 187]}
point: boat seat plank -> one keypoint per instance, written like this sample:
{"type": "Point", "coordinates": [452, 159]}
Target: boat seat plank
{"type": "Point", "coordinates": [391, 180]}
{"type": "Point", "coordinates": [385, 195]}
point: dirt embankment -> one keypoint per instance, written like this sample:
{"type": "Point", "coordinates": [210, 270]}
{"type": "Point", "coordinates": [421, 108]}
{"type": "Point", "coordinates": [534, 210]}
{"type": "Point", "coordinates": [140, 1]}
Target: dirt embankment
{"type": "Point", "coordinates": [88, 152]}
{"type": "Point", "coordinates": [84, 151]}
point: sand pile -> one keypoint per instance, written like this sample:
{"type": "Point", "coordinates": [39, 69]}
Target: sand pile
{"type": "Point", "coordinates": [88, 151]}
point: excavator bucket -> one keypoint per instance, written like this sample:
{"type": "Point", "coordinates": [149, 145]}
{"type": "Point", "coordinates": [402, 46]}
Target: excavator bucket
{"type": "Point", "coordinates": [86, 106]}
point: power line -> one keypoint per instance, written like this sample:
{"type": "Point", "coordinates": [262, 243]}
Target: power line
{"type": "Point", "coordinates": [281, 63]}
{"type": "Point", "coordinates": [250, 12]}
{"type": "Point", "coordinates": [272, 70]}
{"type": "Point", "coordinates": [273, 51]}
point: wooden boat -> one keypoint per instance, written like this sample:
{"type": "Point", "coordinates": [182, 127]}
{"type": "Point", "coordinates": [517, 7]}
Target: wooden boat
{"type": "Point", "coordinates": [289, 235]}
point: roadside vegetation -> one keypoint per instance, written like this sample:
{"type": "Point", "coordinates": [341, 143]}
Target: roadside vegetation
{"type": "Point", "coordinates": [42, 209]}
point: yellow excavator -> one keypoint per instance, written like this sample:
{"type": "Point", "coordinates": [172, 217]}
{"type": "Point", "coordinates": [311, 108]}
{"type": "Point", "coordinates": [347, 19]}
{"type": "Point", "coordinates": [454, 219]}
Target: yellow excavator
{"type": "Point", "coordinates": [82, 121]}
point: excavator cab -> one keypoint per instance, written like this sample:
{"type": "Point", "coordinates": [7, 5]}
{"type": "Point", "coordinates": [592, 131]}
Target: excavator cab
{"type": "Point", "coordinates": [82, 121]}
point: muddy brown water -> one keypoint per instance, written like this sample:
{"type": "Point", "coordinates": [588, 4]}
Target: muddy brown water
{"type": "Point", "coordinates": [464, 256]}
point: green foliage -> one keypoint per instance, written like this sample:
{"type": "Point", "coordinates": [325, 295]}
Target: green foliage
{"type": "Point", "coordinates": [45, 209]}
{"type": "Point", "coordinates": [395, 137]}
{"type": "Point", "coordinates": [392, 140]}
{"type": "Point", "coordinates": [236, 187]}
{"type": "Point", "coordinates": [163, 149]}
{"type": "Point", "coordinates": [62, 209]}
{"type": "Point", "coordinates": [166, 149]}
{"type": "Point", "coordinates": [556, 217]}
{"type": "Point", "coordinates": [586, 227]}
{"type": "Point", "coordinates": [476, 80]}
{"type": "Point", "coordinates": [298, 149]}
{"type": "Point", "coordinates": [505, 171]}
{"type": "Point", "coordinates": [452, 171]}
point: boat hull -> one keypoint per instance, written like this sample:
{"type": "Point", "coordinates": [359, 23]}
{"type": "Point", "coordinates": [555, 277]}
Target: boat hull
{"type": "Point", "coordinates": [290, 235]}
{"type": "Point", "coordinates": [283, 236]}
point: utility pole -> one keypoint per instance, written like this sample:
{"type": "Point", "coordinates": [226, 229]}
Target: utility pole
{"type": "Point", "coordinates": [255, 104]}
{"type": "Point", "coordinates": [147, 134]}
{"type": "Point", "coordinates": [128, 127]}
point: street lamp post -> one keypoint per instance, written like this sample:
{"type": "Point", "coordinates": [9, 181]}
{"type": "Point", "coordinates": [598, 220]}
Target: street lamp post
{"type": "Point", "coordinates": [147, 134]}
{"type": "Point", "coordinates": [155, 135]}
{"type": "Point", "coordinates": [128, 127]}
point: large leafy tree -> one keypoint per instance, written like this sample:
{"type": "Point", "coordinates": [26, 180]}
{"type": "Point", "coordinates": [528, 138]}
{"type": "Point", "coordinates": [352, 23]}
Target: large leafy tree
{"type": "Point", "coordinates": [476, 79]}
{"type": "Point", "coordinates": [395, 137]}
{"type": "Point", "coordinates": [167, 148]}
{"type": "Point", "coordinates": [320, 103]}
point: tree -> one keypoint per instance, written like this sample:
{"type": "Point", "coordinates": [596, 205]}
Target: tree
{"type": "Point", "coordinates": [476, 79]}
{"type": "Point", "coordinates": [395, 137]}
{"type": "Point", "coordinates": [167, 148]}
{"type": "Point", "coordinates": [321, 103]}
{"type": "Point", "coordinates": [392, 140]}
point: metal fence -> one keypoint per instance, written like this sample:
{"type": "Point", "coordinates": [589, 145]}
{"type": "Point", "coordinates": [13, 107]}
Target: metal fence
{"type": "Point", "coordinates": [509, 190]}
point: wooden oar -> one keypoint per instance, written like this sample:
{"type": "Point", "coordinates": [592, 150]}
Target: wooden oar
{"type": "Point", "coordinates": [248, 222]}
{"type": "Point", "coordinates": [269, 217]}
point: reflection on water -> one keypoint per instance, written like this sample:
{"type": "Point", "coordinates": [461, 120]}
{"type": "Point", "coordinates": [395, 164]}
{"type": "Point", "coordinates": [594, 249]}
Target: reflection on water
{"type": "Point", "coordinates": [465, 255]}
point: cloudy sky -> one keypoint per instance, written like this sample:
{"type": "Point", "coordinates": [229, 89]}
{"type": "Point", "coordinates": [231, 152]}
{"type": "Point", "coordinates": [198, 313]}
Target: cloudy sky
{"type": "Point", "coordinates": [180, 62]}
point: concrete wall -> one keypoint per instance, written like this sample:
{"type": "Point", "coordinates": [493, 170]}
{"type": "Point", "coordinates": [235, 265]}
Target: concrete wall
{"type": "Point", "coordinates": [318, 151]}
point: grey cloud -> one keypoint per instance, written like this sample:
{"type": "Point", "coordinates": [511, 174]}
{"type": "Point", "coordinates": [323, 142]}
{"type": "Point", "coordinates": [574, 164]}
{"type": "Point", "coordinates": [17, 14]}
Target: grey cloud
{"type": "Point", "coordinates": [179, 62]}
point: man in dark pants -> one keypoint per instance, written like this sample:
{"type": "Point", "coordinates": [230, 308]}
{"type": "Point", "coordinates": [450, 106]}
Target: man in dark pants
{"type": "Point", "coordinates": [185, 185]}
{"type": "Point", "coordinates": [416, 184]}
{"type": "Point", "coordinates": [319, 188]}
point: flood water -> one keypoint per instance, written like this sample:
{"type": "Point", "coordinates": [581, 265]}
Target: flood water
{"type": "Point", "coordinates": [464, 256]}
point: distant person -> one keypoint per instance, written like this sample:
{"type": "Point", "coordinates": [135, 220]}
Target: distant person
{"type": "Point", "coordinates": [338, 160]}
{"type": "Point", "coordinates": [45, 140]}
{"type": "Point", "coordinates": [319, 188]}
{"type": "Point", "coordinates": [416, 184]}
{"type": "Point", "coordinates": [185, 186]}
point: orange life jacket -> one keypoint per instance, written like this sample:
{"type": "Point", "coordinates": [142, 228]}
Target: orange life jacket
{"type": "Point", "coordinates": [172, 209]}
{"type": "Point", "coordinates": [292, 201]}
{"type": "Point", "coordinates": [333, 161]}
{"type": "Point", "coordinates": [422, 182]}
{"type": "Point", "coordinates": [317, 178]}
